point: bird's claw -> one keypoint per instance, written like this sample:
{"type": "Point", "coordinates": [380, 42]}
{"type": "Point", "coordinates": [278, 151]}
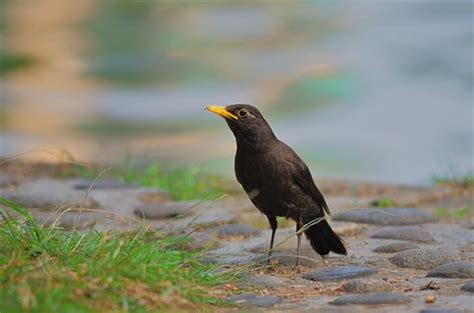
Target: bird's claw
{"type": "Point", "coordinates": [297, 268]}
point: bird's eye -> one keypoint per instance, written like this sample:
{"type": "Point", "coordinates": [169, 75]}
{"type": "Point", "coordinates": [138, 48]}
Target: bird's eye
{"type": "Point", "coordinates": [243, 113]}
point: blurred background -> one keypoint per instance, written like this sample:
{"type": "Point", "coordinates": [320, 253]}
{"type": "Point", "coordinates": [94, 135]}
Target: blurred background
{"type": "Point", "coordinates": [374, 91]}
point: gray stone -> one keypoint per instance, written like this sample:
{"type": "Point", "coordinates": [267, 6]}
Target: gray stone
{"type": "Point", "coordinates": [47, 193]}
{"type": "Point", "coordinates": [471, 227]}
{"type": "Point", "coordinates": [460, 269]}
{"type": "Point", "coordinates": [201, 240]}
{"type": "Point", "coordinates": [366, 286]}
{"type": "Point", "coordinates": [468, 287]}
{"type": "Point", "coordinates": [395, 247]}
{"type": "Point", "coordinates": [102, 184]}
{"type": "Point", "coordinates": [263, 280]}
{"type": "Point", "coordinates": [237, 230]}
{"type": "Point", "coordinates": [392, 216]}
{"type": "Point", "coordinates": [162, 210]}
{"type": "Point", "coordinates": [339, 272]}
{"type": "Point", "coordinates": [252, 299]}
{"type": "Point", "coordinates": [78, 221]}
{"type": "Point", "coordinates": [205, 219]}
{"type": "Point", "coordinates": [421, 258]}
{"type": "Point", "coordinates": [372, 298]}
{"type": "Point", "coordinates": [122, 200]}
{"type": "Point", "coordinates": [411, 233]}
{"type": "Point", "coordinates": [71, 219]}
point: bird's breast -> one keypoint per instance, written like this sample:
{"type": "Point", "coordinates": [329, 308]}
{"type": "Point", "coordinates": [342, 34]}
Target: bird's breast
{"type": "Point", "coordinates": [265, 182]}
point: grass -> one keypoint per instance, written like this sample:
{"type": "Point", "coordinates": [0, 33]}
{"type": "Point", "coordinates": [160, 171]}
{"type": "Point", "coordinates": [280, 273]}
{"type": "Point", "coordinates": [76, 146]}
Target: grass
{"type": "Point", "coordinates": [383, 203]}
{"type": "Point", "coordinates": [466, 180]}
{"type": "Point", "coordinates": [460, 213]}
{"type": "Point", "coordinates": [181, 183]}
{"type": "Point", "coordinates": [10, 62]}
{"type": "Point", "coordinates": [45, 269]}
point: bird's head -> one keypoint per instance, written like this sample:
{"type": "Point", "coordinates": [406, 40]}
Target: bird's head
{"type": "Point", "coordinates": [246, 122]}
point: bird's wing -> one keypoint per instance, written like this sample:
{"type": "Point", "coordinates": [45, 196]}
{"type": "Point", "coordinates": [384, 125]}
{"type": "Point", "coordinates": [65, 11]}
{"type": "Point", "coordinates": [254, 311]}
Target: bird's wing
{"type": "Point", "coordinates": [305, 181]}
{"type": "Point", "coordinates": [302, 177]}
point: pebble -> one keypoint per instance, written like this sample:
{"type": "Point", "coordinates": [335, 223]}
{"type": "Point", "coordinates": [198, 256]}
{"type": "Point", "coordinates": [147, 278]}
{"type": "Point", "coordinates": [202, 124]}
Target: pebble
{"type": "Point", "coordinates": [460, 269]}
{"type": "Point", "coordinates": [410, 233]}
{"type": "Point", "coordinates": [372, 298]}
{"type": "Point", "coordinates": [339, 273]}
{"type": "Point", "coordinates": [252, 299]}
{"type": "Point", "coordinates": [102, 184]}
{"type": "Point", "coordinates": [207, 219]}
{"type": "Point", "coordinates": [392, 216]}
{"type": "Point", "coordinates": [421, 258]}
{"type": "Point", "coordinates": [154, 211]}
{"type": "Point", "coordinates": [78, 221]}
{"type": "Point", "coordinates": [68, 220]}
{"type": "Point", "coordinates": [47, 193]}
{"type": "Point", "coordinates": [468, 287]}
{"type": "Point", "coordinates": [237, 230]}
{"type": "Point", "coordinates": [201, 240]}
{"type": "Point", "coordinates": [430, 299]}
{"type": "Point", "coordinates": [395, 247]}
{"type": "Point", "coordinates": [366, 286]}
{"type": "Point", "coordinates": [123, 201]}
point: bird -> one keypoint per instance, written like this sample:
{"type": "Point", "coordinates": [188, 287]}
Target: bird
{"type": "Point", "coordinates": [277, 181]}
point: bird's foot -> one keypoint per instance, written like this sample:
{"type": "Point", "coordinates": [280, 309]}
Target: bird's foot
{"type": "Point", "coordinates": [297, 268]}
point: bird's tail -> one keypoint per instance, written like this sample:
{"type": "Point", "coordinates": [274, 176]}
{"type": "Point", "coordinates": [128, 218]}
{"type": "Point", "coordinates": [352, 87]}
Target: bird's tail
{"type": "Point", "coordinates": [322, 238]}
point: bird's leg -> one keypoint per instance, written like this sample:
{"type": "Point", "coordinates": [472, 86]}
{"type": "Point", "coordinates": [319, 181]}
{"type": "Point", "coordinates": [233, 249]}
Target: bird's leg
{"type": "Point", "coordinates": [273, 225]}
{"type": "Point", "coordinates": [299, 225]}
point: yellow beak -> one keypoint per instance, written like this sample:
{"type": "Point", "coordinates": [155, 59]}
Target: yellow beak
{"type": "Point", "coordinates": [221, 111]}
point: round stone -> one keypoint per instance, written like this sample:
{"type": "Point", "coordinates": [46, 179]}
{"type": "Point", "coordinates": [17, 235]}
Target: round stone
{"type": "Point", "coordinates": [468, 287]}
{"type": "Point", "coordinates": [392, 216]}
{"type": "Point", "coordinates": [460, 269]}
{"type": "Point", "coordinates": [339, 273]}
{"type": "Point", "coordinates": [371, 299]}
{"type": "Point", "coordinates": [237, 230]}
{"type": "Point", "coordinates": [163, 210]}
{"type": "Point", "coordinates": [410, 233]}
{"type": "Point", "coordinates": [47, 193]}
{"type": "Point", "coordinates": [102, 184]}
{"type": "Point", "coordinates": [395, 247]}
{"type": "Point", "coordinates": [366, 286]}
{"type": "Point", "coordinates": [421, 258]}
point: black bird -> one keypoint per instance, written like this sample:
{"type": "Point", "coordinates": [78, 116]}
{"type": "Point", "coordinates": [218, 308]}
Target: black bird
{"type": "Point", "coordinates": [276, 180]}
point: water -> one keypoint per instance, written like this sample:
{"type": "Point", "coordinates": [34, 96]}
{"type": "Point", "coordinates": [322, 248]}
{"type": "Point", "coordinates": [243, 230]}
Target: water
{"type": "Point", "coordinates": [365, 91]}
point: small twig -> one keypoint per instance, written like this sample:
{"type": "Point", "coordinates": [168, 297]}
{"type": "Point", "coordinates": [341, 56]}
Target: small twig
{"type": "Point", "coordinates": [58, 155]}
{"type": "Point", "coordinates": [430, 286]}
{"type": "Point", "coordinates": [77, 245]}
{"type": "Point", "coordinates": [190, 208]}
{"type": "Point", "coordinates": [87, 194]}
